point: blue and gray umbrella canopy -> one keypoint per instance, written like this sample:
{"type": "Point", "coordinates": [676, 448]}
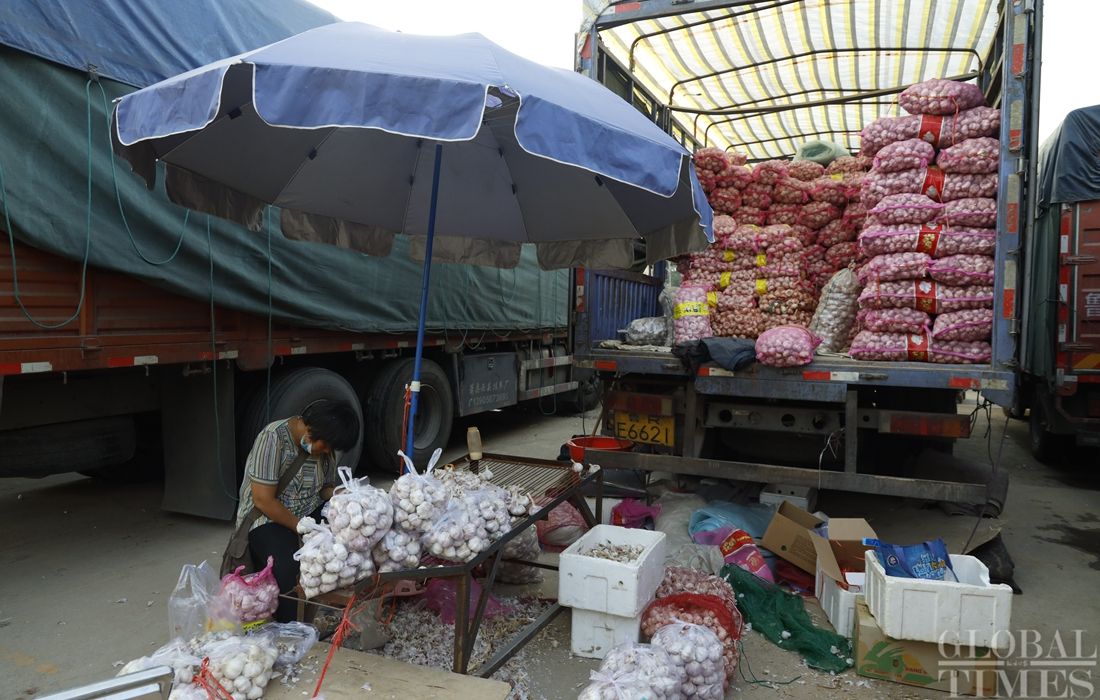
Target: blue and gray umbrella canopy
{"type": "Point", "coordinates": [338, 127]}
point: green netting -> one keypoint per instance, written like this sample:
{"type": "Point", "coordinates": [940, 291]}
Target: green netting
{"type": "Point", "coordinates": [773, 612]}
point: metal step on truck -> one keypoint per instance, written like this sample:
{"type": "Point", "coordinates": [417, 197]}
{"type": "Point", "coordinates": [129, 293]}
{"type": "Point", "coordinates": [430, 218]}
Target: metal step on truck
{"type": "Point", "coordinates": [762, 78]}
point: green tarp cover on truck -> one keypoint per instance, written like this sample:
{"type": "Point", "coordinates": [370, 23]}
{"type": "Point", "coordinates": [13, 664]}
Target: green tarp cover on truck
{"type": "Point", "coordinates": [45, 158]}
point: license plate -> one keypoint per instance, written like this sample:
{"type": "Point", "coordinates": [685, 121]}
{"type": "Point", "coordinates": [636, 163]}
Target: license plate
{"type": "Point", "coordinates": [648, 430]}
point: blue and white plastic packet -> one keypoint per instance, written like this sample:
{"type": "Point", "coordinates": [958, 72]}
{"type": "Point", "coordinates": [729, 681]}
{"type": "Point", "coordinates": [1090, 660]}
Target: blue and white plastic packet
{"type": "Point", "coordinates": [927, 560]}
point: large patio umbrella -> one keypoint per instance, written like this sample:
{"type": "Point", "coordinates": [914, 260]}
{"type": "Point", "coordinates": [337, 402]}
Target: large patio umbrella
{"type": "Point", "coordinates": [358, 134]}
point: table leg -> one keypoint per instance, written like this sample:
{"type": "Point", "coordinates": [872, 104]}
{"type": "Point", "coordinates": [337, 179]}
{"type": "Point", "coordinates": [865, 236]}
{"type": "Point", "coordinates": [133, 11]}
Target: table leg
{"type": "Point", "coordinates": [462, 622]}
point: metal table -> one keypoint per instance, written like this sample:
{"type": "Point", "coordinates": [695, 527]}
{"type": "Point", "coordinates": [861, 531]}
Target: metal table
{"type": "Point", "coordinates": [550, 482]}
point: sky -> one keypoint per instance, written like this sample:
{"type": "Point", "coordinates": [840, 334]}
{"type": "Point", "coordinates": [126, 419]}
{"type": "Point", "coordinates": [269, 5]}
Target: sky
{"type": "Point", "coordinates": [543, 31]}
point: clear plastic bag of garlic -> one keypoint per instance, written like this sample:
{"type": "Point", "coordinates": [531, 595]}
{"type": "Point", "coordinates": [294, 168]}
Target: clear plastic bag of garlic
{"type": "Point", "coordinates": [326, 564]}
{"type": "Point", "coordinates": [175, 654]}
{"type": "Point", "coordinates": [417, 499]}
{"type": "Point", "coordinates": [698, 652]}
{"type": "Point", "coordinates": [836, 311]}
{"type": "Point", "coordinates": [359, 514]}
{"type": "Point", "coordinates": [633, 670]}
{"type": "Point", "coordinates": [242, 665]}
{"type": "Point", "coordinates": [469, 525]}
{"type": "Point", "coordinates": [399, 550]}
{"type": "Point", "coordinates": [525, 547]}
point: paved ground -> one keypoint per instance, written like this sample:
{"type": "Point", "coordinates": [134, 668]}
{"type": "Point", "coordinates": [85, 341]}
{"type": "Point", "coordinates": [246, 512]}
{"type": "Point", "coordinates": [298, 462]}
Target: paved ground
{"type": "Point", "coordinates": [88, 567]}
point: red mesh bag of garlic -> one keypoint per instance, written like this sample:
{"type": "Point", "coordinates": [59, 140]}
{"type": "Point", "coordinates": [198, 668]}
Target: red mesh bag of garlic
{"type": "Point", "coordinates": [725, 200]}
{"type": "Point", "coordinates": [849, 164]}
{"type": "Point", "coordinates": [975, 156]}
{"type": "Point", "coordinates": [757, 195]}
{"type": "Point", "coordinates": [924, 295]}
{"type": "Point", "coordinates": [785, 214]}
{"type": "Point", "coordinates": [805, 170]}
{"type": "Point", "coordinates": [840, 230]}
{"type": "Point", "coordinates": [842, 254]}
{"type": "Point", "coordinates": [816, 215]}
{"type": "Point", "coordinates": [736, 176]}
{"type": "Point", "coordinates": [895, 266]}
{"type": "Point", "coordinates": [707, 611]}
{"type": "Point", "coordinates": [786, 346]}
{"type": "Point", "coordinates": [937, 240]}
{"type": "Point", "coordinates": [940, 96]}
{"type": "Point", "coordinates": [751, 215]}
{"type": "Point", "coordinates": [691, 314]}
{"type": "Point", "coordinates": [905, 208]}
{"type": "Point", "coordinates": [770, 171]}
{"type": "Point", "coordinates": [975, 212]}
{"type": "Point", "coordinates": [965, 325]}
{"type": "Point", "coordinates": [836, 189]}
{"type": "Point", "coordinates": [893, 320]}
{"type": "Point", "coordinates": [962, 270]}
{"type": "Point", "coordinates": [791, 191]}
{"type": "Point", "coordinates": [940, 131]}
{"type": "Point", "coordinates": [910, 154]}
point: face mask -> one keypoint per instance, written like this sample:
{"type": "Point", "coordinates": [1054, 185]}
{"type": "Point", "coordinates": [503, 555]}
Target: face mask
{"type": "Point", "coordinates": [307, 446]}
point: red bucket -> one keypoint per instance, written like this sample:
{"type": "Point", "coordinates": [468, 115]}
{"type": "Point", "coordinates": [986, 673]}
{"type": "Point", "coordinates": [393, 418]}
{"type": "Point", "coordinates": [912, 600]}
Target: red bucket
{"type": "Point", "coordinates": [577, 446]}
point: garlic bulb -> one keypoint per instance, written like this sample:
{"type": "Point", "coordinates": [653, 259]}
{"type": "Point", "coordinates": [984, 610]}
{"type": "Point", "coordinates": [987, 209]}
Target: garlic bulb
{"type": "Point", "coordinates": [397, 551]}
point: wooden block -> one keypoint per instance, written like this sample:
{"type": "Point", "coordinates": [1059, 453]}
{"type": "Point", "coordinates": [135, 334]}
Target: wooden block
{"type": "Point", "coordinates": [350, 670]}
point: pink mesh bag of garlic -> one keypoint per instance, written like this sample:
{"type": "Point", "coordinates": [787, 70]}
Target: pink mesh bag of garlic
{"type": "Point", "coordinates": [905, 208]}
{"type": "Point", "coordinates": [842, 254]}
{"type": "Point", "coordinates": [751, 215]}
{"type": "Point", "coordinates": [770, 171]}
{"type": "Point", "coordinates": [965, 325]}
{"type": "Point", "coordinates": [961, 270]}
{"type": "Point", "coordinates": [910, 154]}
{"type": "Point", "coordinates": [837, 231]}
{"type": "Point", "coordinates": [816, 215]}
{"type": "Point", "coordinates": [969, 212]}
{"type": "Point", "coordinates": [940, 131]}
{"type": "Point", "coordinates": [940, 96]}
{"type": "Point", "coordinates": [848, 164]}
{"type": "Point", "coordinates": [938, 241]}
{"type": "Point", "coordinates": [788, 214]}
{"type": "Point", "coordinates": [980, 155]}
{"type": "Point", "coordinates": [786, 346]}
{"type": "Point", "coordinates": [893, 320]}
{"type": "Point", "coordinates": [725, 200]}
{"type": "Point", "coordinates": [757, 195]}
{"type": "Point", "coordinates": [794, 317]}
{"type": "Point", "coordinates": [895, 266]}
{"type": "Point", "coordinates": [735, 176]}
{"type": "Point", "coordinates": [791, 191]}
{"type": "Point", "coordinates": [836, 189]}
{"type": "Point", "coordinates": [805, 235]}
{"type": "Point", "coordinates": [890, 347]}
{"type": "Point", "coordinates": [924, 295]}
{"type": "Point", "coordinates": [960, 352]}
{"type": "Point", "coordinates": [805, 170]}
{"type": "Point", "coordinates": [691, 314]}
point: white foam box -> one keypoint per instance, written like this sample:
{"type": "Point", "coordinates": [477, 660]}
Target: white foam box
{"type": "Point", "coordinates": [839, 604]}
{"type": "Point", "coordinates": [596, 633]}
{"type": "Point", "coordinates": [839, 577]}
{"type": "Point", "coordinates": [606, 586]}
{"type": "Point", "coordinates": [970, 611]}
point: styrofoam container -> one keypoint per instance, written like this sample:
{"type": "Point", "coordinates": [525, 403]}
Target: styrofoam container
{"type": "Point", "coordinates": [839, 605]}
{"type": "Point", "coordinates": [970, 612]}
{"type": "Point", "coordinates": [596, 633]}
{"type": "Point", "coordinates": [606, 586]}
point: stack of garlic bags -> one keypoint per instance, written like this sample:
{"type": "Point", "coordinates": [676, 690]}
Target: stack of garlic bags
{"type": "Point", "coordinates": [929, 235]}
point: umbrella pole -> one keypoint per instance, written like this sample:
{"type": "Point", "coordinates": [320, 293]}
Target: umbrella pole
{"type": "Point", "coordinates": [425, 279]}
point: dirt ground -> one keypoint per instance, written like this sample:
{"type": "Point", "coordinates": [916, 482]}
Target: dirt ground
{"type": "Point", "coordinates": [88, 568]}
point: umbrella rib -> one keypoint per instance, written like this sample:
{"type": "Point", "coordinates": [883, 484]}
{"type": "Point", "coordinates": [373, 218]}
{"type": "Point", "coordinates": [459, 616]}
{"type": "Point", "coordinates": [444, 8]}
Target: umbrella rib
{"type": "Point", "coordinates": [316, 149]}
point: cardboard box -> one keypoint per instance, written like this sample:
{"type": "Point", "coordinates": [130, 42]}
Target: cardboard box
{"type": "Point", "coordinates": [957, 670]}
{"type": "Point", "coordinates": [788, 536]}
{"type": "Point", "coordinates": [838, 575]}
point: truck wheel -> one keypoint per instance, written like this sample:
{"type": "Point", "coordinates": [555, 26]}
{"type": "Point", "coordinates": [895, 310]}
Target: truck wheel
{"type": "Point", "coordinates": [586, 396]}
{"type": "Point", "coordinates": [1046, 446]}
{"type": "Point", "coordinates": [385, 410]}
{"type": "Point", "coordinates": [291, 393]}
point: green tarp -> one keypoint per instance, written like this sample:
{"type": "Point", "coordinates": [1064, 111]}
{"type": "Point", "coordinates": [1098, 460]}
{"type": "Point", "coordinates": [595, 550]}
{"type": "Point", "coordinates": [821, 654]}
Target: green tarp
{"type": "Point", "coordinates": [44, 156]}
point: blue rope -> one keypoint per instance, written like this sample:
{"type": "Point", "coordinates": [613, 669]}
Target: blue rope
{"type": "Point", "coordinates": [87, 235]}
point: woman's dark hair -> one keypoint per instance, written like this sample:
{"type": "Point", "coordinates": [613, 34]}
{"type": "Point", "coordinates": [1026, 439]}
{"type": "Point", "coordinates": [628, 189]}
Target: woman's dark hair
{"type": "Point", "coordinates": [334, 422]}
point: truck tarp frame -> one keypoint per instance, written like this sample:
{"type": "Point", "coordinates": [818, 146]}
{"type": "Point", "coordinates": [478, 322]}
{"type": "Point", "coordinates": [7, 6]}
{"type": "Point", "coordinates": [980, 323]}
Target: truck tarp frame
{"type": "Point", "coordinates": [870, 47]}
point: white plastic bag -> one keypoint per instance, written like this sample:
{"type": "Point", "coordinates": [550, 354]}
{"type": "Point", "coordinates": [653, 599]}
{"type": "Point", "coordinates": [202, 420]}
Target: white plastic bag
{"type": "Point", "coordinates": [417, 498]}
{"type": "Point", "coordinates": [836, 311]}
{"type": "Point", "coordinates": [647, 331]}
{"type": "Point", "coordinates": [175, 654]}
{"type": "Point", "coordinates": [292, 640]}
{"type": "Point", "coordinates": [358, 514]}
{"type": "Point", "coordinates": [698, 652]}
{"type": "Point", "coordinates": [188, 606]}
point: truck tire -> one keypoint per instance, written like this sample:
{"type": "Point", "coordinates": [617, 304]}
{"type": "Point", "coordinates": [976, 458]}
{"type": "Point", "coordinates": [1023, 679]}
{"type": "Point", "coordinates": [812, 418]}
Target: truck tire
{"type": "Point", "coordinates": [147, 464]}
{"type": "Point", "coordinates": [1047, 447]}
{"type": "Point", "coordinates": [385, 411]}
{"type": "Point", "coordinates": [291, 393]}
{"type": "Point", "coordinates": [78, 446]}
{"type": "Point", "coordinates": [586, 396]}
